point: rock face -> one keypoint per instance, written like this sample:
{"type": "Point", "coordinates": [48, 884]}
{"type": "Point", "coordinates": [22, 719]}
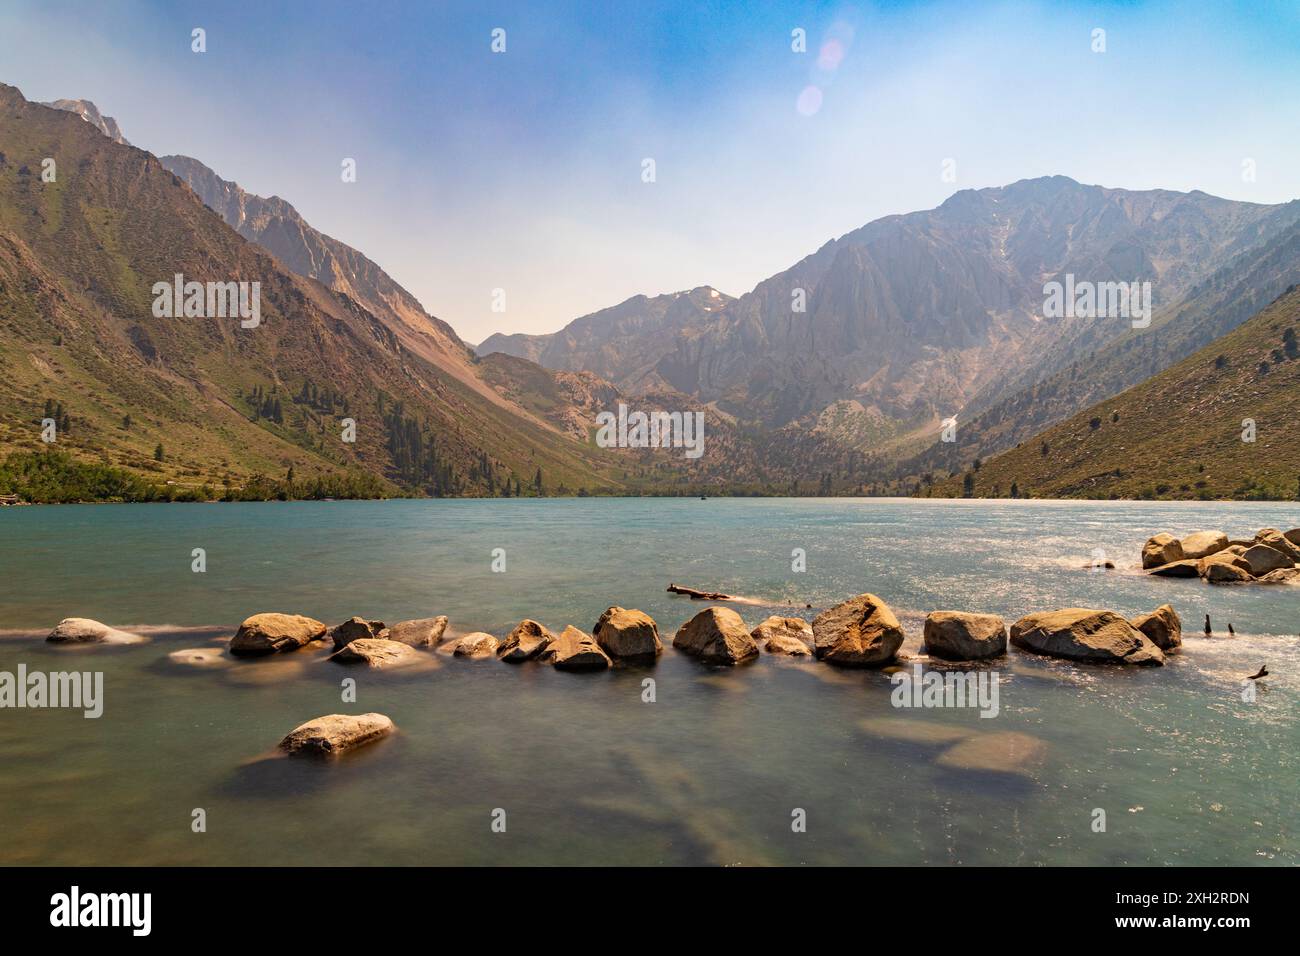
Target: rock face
{"type": "Point", "coordinates": [1084, 634]}
{"type": "Point", "coordinates": [82, 630]}
{"type": "Point", "coordinates": [860, 632]}
{"type": "Point", "coordinates": [1201, 543]}
{"type": "Point", "coordinates": [1162, 626]}
{"type": "Point", "coordinates": [422, 632]}
{"type": "Point", "coordinates": [375, 652]}
{"type": "Point", "coordinates": [1263, 559]}
{"type": "Point", "coordinates": [792, 636]}
{"type": "Point", "coordinates": [335, 734]}
{"type": "Point", "coordinates": [275, 633]}
{"type": "Point", "coordinates": [1162, 549]}
{"type": "Point", "coordinates": [628, 635]}
{"type": "Point", "coordinates": [355, 628]}
{"type": "Point", "coordinates": [1278, 541]}
{"type": "Point", "coordinates": [716, 635]}
{"type": "Point", "coordinates": [576, 650]}
{"type": "Point", "coordinates": [1187, 568]}
{"type": "Point", "coordinates": [960, 636]}
{"type": "Point", "coordinates": [525, 642]}
{"type": "Point", "coordinates": [476, 646]}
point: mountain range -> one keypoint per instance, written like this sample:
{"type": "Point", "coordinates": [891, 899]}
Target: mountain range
{"type": "Point", "coordinates": [834, 376]}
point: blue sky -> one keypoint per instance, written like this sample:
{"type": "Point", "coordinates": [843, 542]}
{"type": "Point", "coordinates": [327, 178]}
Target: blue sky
{"type": "Point", "coordinates": [522, 170]}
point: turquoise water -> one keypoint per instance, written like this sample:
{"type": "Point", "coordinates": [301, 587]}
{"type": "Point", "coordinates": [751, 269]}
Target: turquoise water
{"type": "Point", "coordinates": [585, 770]}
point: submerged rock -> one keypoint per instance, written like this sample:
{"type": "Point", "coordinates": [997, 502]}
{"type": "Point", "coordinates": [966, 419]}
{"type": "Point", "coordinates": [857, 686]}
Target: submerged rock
{"type": "Point", "coordinates": [82, 630]}
{"type": "Point", "coordinates": [1161, 549]}
{"type": "Point", "coordinates": [1202, 543]}
{"type": "Point", "coordinates": [1085, 634]}
{"type": "Point", "coordinates": [1008, 752]}
{"type": "Point", "coordinates": [860, 632]}
{"type": "Point", "coordinates": [200, 658]}
{"type": "Point", "coordinates": [576, 650]}
{"type": "Point", "coordinates": [476, 646]}
{"type": "Point", "coordinates": [275, 633]}
{"type": "Point", "coordinates": [964, 636]}
{"type": "Point", "coordinates": [355, 629]}
{"type": "Point", "coordinates": [1187, 568]}
{"type": "Point", "coordinates": [1162, 626]}
{"type": "Point", "coordinates": [628, 635]}
{"type": "Point", "coordinates": [716, 635]}
{"type": "Point", "coordinates": [792, 636]}
{"type": "Point", "coordinates": [525, 642]}
{"type": "Point", "coordinates": [335, 734]}
{"type": "Point", "coordinates": [375, 652]}
{"type": "Point", "coordinates": [422, 632]}
{"type": "Point", "coordinates": [914, 730]}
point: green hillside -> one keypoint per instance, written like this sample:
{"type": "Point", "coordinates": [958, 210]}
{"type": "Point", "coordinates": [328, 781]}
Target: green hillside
{"type": "Point", "coordinates": [1177, 435]}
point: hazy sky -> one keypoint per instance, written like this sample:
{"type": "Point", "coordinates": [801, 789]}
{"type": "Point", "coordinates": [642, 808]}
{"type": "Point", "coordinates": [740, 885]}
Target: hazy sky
{"type": "Point", "coordinates": [523, 170]}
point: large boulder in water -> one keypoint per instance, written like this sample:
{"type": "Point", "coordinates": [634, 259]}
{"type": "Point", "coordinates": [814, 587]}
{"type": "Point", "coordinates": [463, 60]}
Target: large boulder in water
{"type": "Point", "coordinates": [335, 734]}
{"type": "Point", "coordinates": [375, 653]}
{"type": "Point", "coordinates": [1263, 559]}
{"type": "Point", "coordinates": [1085, 634]}
{"type": "Point", "coordinates": [422, 632]}
{"type": "Point", "coordinates": [1201, 543]}
{"type": "Point", "coordinates": [1225, 567]}
{"type": "Point", "coordinates": [628, 635]}
{"type": "Point", "coordinates": [275, 633]}
{"type": "Point", "coordinates": [716, 635]}
{"type": "Point", "coordinates": [1162, 549]}
{"type": "Point", "coordinates": [1283, 576]}
{"type": "Point", "coordinates": [963, 636]}
{"type": "Point", "coordinates": [792, 636]}
{"type": "Point", "coordinates": [476, 646]}
{"type": "Point", "coordinates": [1162, 626]}
{"type": "Point", "coordinates": [355, 628]}
{"type": "Point", "coordinates": [526, 641]}
{"type": "Point", "coordinates": [1187, 568]}
{"type": "Point", "coordinates": [82, 630]}
{"type": "Point", "coordinates": [576, 650]}
{"type": "Point", "coordinates": [1272, 538]}
{"type": "Point", "coordinates": [860, 632]}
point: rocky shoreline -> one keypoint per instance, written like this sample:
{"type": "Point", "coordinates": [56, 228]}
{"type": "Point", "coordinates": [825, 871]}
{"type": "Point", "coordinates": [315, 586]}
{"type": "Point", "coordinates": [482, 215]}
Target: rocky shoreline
{"type": "Point", "coordinates": [1271, 557]}
{"type": "Point", "coordinates": [861, 632]}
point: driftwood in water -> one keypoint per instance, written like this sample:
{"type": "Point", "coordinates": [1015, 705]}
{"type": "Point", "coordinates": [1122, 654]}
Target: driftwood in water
{"type": "Point", "coordinates": [695, 595]}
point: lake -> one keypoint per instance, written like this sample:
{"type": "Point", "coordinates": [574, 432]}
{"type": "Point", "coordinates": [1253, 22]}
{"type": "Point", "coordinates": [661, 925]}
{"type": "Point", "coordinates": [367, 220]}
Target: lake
{"type": "Point", "coordinates": [581, 767]}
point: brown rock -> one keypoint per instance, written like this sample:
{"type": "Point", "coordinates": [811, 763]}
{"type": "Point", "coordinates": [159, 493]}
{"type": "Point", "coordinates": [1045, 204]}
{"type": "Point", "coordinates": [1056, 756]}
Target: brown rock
{"type": "Point", "coordinates": [963, 636]}
{"type": "Point", "coordinates": [335, 734]}
{"type": "Point", "coordinates": [421, 632]}
{"type": "Point", "coordinates": [1262, 559]}
{"type": "Point", "coordinates": [1202, 543]}
{"type": "Point", "coordinates": [1188, 568]}
{"type": "Point", "coordinates": [1282, 576]}
{"type": "Point", "coordinates": [1224, 572]}
{"type": "Point", "coordinates": [1293, 536]}
{"type": "Point", "coordinates": [1161, 549]}
{"type": "Point", "coordinates": [275, 633]}
{"type": "Point", "coordinates": [82, 630]}
{"type": "Point", "coordinates": [716, 635]}
{"type": "Point", "coordinates": [1276, 540]}
{"type": "Point", "coordinates": [860, 632]}
{"type": "Point", "coordinates": [576, 650]}
{"type": "Point", "coordinates": [375, 653]}
{"type": "Point", "coordinates": [355, 628]}
{"type": "Point", "coordinates": [1163, 626]}
{"type": "Point", "coordinates": [792, 636]}
{"type": "Point", "coordinates": [476, 646]}
{"type": "Point", "coordinates": [525, 642]}
{"type": "Point", "coordinates": [1085, 634]}
{"type": "Point", "coordinates": [628, 635]}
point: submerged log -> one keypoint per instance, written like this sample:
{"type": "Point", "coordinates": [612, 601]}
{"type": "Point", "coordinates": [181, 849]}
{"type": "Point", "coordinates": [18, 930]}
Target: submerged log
{"type": "Point", "coordinates": [695, 595]}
